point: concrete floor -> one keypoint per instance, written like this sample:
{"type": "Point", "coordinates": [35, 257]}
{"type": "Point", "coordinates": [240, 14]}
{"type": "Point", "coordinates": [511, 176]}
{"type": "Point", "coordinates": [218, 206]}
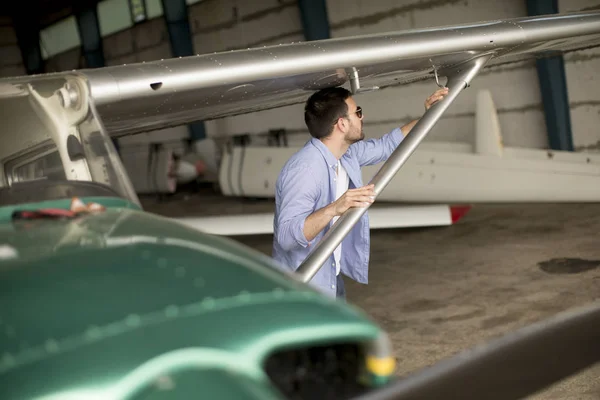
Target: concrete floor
{"type": "Point", "coordinates": [438, 291]}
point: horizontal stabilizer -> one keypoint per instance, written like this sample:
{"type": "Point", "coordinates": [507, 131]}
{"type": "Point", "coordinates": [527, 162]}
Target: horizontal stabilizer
{"type": "Point", "coordinates": [379, 218]}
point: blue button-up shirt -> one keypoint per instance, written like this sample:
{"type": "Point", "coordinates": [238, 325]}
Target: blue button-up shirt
{"type": "Point", "coordinates": [307, 183]}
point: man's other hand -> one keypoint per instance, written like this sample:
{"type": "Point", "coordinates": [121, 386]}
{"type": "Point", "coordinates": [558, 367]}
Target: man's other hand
{"type": "Point", "coordinates": [359, 197]}
{"type": "Point", "coordinates": [435, 97]}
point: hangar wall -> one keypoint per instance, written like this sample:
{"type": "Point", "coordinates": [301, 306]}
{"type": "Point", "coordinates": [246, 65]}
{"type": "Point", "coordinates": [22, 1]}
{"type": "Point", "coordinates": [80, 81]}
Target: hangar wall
{"type": "Point", "coordinates": [583, 84]}
{"type": "Point", "coordinates": [219, 25]}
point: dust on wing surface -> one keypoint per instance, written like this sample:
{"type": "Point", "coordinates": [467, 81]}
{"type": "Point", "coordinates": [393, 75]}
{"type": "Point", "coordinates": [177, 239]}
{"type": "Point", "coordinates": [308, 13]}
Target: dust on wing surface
{"type": "Point", "coordinates": [438, 291]}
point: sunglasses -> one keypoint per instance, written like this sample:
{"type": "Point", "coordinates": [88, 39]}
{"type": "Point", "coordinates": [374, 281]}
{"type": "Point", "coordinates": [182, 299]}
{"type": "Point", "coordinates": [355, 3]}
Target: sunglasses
{"type": "Point", "coordinates": [358, 112]}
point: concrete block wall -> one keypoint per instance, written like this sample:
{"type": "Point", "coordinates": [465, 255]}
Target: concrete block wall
{"type": "Point", "coordinates": [66, 61]}
{"type": "Point", "coordinates": [147, 41]}
{"type": "Point", "coordinates": [236, 24]}
{"type": "Point", "coordinates": [217, 25]}
{"type": "Point", "coordinates": [583, 84]}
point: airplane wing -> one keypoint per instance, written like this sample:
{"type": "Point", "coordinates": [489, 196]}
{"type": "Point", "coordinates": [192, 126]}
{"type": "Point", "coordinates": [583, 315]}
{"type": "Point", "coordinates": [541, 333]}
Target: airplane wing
{"type": "Point", "coordinates": [154, 95]}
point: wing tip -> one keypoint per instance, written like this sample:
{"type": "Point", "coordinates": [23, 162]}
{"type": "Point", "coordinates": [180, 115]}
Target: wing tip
{"type": "Point", "coordinates": [458, 211]}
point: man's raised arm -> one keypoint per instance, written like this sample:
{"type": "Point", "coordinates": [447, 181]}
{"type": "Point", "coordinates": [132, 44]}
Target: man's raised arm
{"type": "Point", "coordinates": [374, 151]}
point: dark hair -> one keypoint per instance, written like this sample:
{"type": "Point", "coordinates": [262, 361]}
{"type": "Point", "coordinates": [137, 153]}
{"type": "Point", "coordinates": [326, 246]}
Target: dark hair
{"type": "Point", "coordinates": [323, 109]}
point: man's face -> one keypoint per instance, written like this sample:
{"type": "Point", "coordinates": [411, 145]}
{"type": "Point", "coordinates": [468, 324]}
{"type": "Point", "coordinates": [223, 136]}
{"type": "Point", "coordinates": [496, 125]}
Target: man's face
{"type": "Point", "coordinates": [355, 132]}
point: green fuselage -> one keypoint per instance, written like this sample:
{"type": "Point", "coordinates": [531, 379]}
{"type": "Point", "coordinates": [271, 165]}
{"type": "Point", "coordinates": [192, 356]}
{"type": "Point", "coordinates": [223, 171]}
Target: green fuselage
{"type": "Point", "coordinates": [108, 304]}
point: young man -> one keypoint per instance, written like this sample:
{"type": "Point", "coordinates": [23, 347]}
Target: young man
{"type": "Point", "coordinates": [323, 180]}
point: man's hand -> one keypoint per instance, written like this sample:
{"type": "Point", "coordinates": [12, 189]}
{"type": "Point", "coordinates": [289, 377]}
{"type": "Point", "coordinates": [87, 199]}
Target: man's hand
{"type": "Point", "coordinates": [316, 222]}
{"type": "Point", "coordinates": [359, 197]}
{"type": "Point", "coordinates": [431, 100]}
{"type": "Point", "coordinates": [435, 97]}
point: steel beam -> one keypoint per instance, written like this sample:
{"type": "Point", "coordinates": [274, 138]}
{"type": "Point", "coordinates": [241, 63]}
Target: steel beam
{"type": "Point", "coordinates": [458, 80]}
{"type": "Point", "coordinates": [180, 38]}
{"type": "Point", "coordinates": [553, 87]}
{"type": "Point", "coordinates": [315, 22]}
{"type": "Point", "coordinates": [91, 40]}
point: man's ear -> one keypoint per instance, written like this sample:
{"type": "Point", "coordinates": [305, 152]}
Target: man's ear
{"type": "Point", "coordinates": [342, 124]}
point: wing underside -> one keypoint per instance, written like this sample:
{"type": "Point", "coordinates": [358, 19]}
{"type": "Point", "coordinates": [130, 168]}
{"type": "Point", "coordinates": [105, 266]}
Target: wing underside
{"type": "Point", "coordinates": [146, 96]}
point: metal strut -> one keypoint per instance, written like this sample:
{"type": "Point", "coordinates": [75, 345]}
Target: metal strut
{"type": "Point", "coordinates": [459, 78]}
{"type": "Point", "coordinates": [514, 366]}
{"type": "Point", "coordinates": [355, 83]}
{"type": "Point", "coordinates": [435, 72]}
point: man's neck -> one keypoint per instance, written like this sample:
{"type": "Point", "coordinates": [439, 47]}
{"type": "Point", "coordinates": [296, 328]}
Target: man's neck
{"type": "Point", "coordinates": [337, 149]}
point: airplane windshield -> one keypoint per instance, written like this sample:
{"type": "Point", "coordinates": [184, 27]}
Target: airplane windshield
{"type": "Point", "coordinates": [51, 136]}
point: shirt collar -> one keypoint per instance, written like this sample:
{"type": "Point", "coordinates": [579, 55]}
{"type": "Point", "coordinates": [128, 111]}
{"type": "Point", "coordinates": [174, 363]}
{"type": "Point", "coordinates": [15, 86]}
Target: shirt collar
{"type": "Point", "coordinates": [326, 153]}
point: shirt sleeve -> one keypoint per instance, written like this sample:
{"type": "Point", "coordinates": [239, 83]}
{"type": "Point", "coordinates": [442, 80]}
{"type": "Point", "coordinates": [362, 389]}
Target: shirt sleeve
{"type": "Point", "coordinates": [298, 193]}
{"type": "Point", "coordinates": [374, 151]}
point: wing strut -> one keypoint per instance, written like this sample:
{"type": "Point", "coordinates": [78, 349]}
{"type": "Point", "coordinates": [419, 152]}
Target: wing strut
{"type": "Point", "coordinates": [512, 366]}
{"type": "Point", "coordinates": [459, 78]}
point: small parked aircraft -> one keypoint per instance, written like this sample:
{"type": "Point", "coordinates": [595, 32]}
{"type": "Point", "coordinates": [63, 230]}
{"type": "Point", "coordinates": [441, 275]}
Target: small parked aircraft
{"type": "Point", "coordinates": [102, 300]}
